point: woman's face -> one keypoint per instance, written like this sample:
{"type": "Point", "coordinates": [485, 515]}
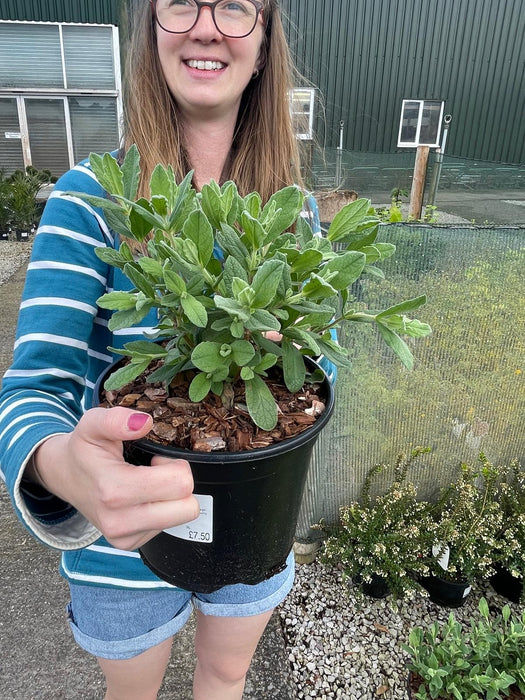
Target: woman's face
{"type": "Point", "coordinates": [207, 72]}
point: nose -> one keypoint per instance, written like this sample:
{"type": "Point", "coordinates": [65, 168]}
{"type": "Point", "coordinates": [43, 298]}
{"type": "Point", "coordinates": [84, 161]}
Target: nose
{"type": "Point", "coordinates": [204, 28]}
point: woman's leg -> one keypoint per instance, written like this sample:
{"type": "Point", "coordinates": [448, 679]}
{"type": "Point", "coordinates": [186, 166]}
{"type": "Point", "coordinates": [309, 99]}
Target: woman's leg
{"type": "Point", "coordinates": [224, 647]}
{"type": "Point", "coordinates": [138, 678]}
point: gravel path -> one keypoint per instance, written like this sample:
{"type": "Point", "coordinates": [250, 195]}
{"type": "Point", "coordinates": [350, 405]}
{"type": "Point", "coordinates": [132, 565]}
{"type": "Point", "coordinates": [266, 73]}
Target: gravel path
{"type": "Point", "coordinates": [13, 254]}
{"type": "Point", "coordinates": [343, 647]}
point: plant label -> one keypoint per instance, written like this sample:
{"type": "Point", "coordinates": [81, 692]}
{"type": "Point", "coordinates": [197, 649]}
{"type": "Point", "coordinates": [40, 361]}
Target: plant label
{"type": "Point", "coordinates": [198, 530]}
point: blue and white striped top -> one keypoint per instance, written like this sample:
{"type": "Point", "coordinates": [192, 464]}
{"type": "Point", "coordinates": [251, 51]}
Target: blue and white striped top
{"type": "Point", "coordinates": [60, 350]}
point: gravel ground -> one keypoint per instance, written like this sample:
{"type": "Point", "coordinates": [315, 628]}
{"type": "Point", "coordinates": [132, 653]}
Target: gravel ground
{"type": "Point", "coordinates": [343, 647]}
{"type": "Point", "coordinates": [13, 254]}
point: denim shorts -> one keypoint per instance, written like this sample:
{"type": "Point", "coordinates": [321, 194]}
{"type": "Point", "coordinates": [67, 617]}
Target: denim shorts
{"type": "Point", "coordinates": [119, 623]}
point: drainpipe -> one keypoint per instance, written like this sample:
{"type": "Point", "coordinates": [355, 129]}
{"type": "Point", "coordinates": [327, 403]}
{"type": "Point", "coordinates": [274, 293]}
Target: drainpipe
{"type": "Point", "coordinates": [436, 173]}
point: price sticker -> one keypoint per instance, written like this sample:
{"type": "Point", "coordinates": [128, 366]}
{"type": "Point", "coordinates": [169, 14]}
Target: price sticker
{"type": "Point", "coordinates": [200, 529]}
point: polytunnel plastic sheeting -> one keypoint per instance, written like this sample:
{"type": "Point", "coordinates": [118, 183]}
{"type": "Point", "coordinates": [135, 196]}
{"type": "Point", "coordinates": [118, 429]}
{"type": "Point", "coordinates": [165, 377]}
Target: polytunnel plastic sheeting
{"type": "Point", "coordinates": [466, 393]}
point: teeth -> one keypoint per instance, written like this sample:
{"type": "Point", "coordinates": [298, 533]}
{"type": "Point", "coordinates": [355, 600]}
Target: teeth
{"type": "Point", "coordinates": [205, 65]}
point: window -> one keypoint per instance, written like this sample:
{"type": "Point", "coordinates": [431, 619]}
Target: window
{"type": "Point", "coordinates": [302, 110]}
{"type": "Point", "coordinates": [420, 123]}
{"type": "Point", "coordinates": [59, 93]}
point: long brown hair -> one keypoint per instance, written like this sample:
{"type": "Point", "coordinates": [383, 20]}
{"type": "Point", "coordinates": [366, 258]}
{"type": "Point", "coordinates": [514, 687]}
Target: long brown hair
{"type": "Point", "coordinates": [264, 155]}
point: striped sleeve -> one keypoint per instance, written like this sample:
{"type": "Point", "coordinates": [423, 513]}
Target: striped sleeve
{"type": "Point", "coordinates": [43, 390]}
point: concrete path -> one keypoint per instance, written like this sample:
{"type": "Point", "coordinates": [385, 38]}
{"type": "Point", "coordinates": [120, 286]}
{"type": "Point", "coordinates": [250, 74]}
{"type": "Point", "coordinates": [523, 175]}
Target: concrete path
{"type": "Point", "coordinates": [39, 659]}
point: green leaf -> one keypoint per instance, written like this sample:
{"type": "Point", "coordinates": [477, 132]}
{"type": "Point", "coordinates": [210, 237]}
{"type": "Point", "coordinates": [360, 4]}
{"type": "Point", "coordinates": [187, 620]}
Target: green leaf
{"type": "Point", "coordinates": [237, 329]}
{"type": "Point", "coordinates": [318, 288]}
{"type": "Point", "coordinates": [403, 307]}
{"type": "Point", "coordinates": [247, 373]}
{"type": "Point", "coordinates": [232, 268]}
{"type": "Point", "coordinates": [303, 232]}
{"type": "Point", "coordinates": [142, 209]}
{"type": "Point", "coordinates": [252, 204]}
{"type": "Point", "coordinates": [139, 280]}
{"type": "Point", "coordinates": [160, 183]}
{"type": "Point", "coordinates": [206, 356]}
{"type": "Point", "coordinates": [262, 320]}
{"type": "Point", "coordinates": [139, 226]}
{"type": "Point", "coordinates": [305, 262]}
{"type": "Point", "coordinates": [254, 232]}
{"type": "Point", "coordinates": [151, 267]}
{"type": "Point", "coordinates": [334, 352]}
{"type": "Point", "coordinates": [212, 205]}
{"type": "Point", "coordinates": [304, 337]}
{"type": "Point", "coordinates": [145, 348]}
{"type": "Point", "coordinates": [128, 318]}
{"type": "Point", "coordinates": [344, 269]}
{"type": "Point", "coordinates": [174, 282]}
{"type": "Point", "coordinates": [378, 251]}
{"type": "Point", "coordinates": [242, 351]}
{"type": "Point", "coordinates": [199, 387]}
{"type": "Point", "coordinates": [118, 221]}
{"type": "Point", "coordinates": [107, 172]}
{"type": "Point", "coordinates": [125, 375]}
{"type": "Point", "coordinates": [266, 282]}
{"type": "Point", "coordinates": [194, 310]}
{"type": "Point", "coordinates": [183, 203]}
{"type": "Point", "coordinates": [131, 172]}
{"type": "Point", "coordinates": [159, 204]}
{"type": "Point", "coordinates": [231, 244]}
{"type": "Point", "coordinates": [117, 301]}
{"type": "Point", "coordinates": [348, 219]}
{"type": "Point", "coordinates": [232, 307]}
{"type": "Point", "coordinates": [397, 344]}
{"type": "Point", "coordinates": [267, 361]}
{"type": "Point", "coordinates": [261, 404]}
{"type": "Point", "coordinates": [198, 229]}
{"type": "Point", "coordinates": [293, 366]}
{"type": "Point", "coordinates": [288, 203]}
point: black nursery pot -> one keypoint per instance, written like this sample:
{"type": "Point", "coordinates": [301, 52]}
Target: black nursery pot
{"type": "Point", "coordinates": [376, 588]}
{"type": "Point", "coordinates": [507, 585]}
{"type": "Point", "coordinates": [449, 594]}
{"type": "Point", "coordinates": [250, 503]}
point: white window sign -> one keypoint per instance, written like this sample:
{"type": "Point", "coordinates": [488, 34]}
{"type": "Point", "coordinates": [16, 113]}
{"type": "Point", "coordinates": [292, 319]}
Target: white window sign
{"type": "Point", "coordinates": [420, 123]}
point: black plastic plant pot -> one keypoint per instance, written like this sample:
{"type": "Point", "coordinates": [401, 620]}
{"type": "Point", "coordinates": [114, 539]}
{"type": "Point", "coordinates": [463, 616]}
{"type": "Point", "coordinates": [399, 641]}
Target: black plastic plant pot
{"type": "Point", "coordinates": [377, 588]}
{"type": "Point", "coordinates": [507, 585]}
{"type": "Point", "coordinates": [448, 594]}
{"type": "Point", "coordinates": [22, 235]}
{"type": "Point", "coordinates": [250, 503]}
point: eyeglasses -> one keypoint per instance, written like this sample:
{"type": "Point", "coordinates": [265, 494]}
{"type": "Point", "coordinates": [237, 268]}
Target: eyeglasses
{"type": "Point", "coordinates": [233, 18]}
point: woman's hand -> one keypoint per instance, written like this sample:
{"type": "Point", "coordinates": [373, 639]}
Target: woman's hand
{"type": "Point", "coordinates": [128, 504]}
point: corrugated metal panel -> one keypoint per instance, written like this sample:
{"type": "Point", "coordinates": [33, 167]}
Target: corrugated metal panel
{"type": "Point", "coordinates": [89, 11]}
{"type": "Point", "coordinates": [367, 55]}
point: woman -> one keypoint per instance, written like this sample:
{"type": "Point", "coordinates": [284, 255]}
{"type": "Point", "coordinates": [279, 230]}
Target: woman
{"type": "Point", "coordinates": [206, 89]}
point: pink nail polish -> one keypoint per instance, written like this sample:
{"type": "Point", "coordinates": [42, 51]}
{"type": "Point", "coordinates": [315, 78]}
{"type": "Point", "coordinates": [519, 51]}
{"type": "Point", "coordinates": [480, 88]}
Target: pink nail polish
{"type": "Point", "coordinates": [137, 421]}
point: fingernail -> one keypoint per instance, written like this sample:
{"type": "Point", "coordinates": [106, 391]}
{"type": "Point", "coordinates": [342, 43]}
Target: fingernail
{"type": "Point", "coordinates": [137, 421]}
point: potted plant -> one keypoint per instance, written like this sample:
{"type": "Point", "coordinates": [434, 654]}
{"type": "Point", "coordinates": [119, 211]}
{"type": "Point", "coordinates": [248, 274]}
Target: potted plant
{"type": "Point", "coordinates": [485, 663]}
{"type": "Point", "coordinates": [467, 518]}
{"type": "Point", "coordinates": [22, 205]}
{"type": "Point", "coordinates": [509, 555]}
{"type": "Point", "coordinates": [380, 542]}
{"type": "Point", "coordinates": [4, 208]}
{"type": "Point", "coordinates": [220, 272]}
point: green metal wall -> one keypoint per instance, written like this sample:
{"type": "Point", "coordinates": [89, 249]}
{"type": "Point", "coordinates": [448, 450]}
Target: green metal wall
{"type": "Point", "coordinates": [367, 55]}
{"type": "Point", "coordinates": [89, 11]}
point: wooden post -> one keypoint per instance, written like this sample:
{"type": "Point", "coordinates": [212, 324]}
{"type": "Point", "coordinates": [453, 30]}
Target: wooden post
{"type": "Point", "coordinates": [418, 182]}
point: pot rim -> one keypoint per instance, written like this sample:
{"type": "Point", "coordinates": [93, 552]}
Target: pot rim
{"type": "Point", "coordinates": [257, 453]}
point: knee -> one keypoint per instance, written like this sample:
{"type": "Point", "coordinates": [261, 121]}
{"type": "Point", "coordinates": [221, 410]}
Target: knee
{"type": "Point", "coordinates": [228, 670]}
